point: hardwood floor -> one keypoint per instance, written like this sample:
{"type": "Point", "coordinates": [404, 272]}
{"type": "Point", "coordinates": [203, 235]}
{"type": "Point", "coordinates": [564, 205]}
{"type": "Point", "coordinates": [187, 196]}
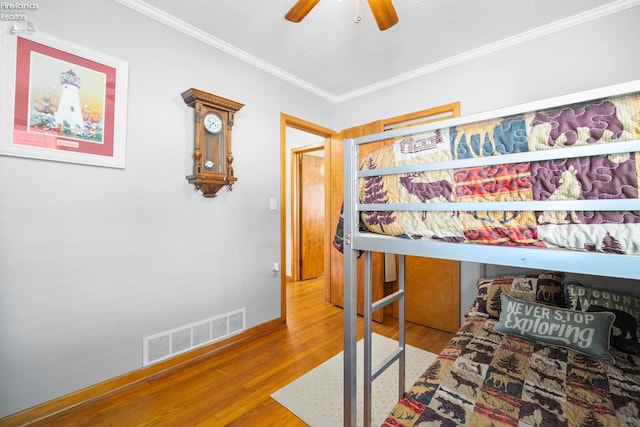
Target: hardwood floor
{"type": "Point", "coordinates": [233, 387]}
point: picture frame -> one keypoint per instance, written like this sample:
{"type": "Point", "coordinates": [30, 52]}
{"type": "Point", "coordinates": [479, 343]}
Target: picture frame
{"type": "Point", "coordinates": [61, 101]}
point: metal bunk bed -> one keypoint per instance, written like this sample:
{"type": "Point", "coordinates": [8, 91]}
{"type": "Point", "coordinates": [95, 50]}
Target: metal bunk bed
{"type": "Point", "coordinates": [357, 242]}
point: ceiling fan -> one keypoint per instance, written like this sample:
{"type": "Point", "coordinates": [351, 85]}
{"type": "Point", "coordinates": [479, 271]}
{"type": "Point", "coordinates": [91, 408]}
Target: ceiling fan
{"type": "Point", "coordinates": [383, 11]}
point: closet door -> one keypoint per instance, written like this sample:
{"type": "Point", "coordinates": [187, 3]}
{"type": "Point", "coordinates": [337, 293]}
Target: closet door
{"type": "Point", "coordinates": [432, 285]}
{"type": "Point", "coordinates": [442, 283]}
{"type": "Point", "coordinates": [334, 288]}
{"type": "Point", "coordinates": [432, 288]}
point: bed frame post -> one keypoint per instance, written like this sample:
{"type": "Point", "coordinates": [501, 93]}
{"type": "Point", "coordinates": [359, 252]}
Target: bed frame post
{"type": "Point", "coordinates": [368, 330]}
{"type": "Point", "coordinates": [401, 326]}
{"type": "Point", "coordinates": [350, 283]}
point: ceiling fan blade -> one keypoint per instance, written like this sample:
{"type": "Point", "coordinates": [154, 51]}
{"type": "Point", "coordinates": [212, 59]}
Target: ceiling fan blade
{"type": "Point", "coordinates": [300, 10]}
{"type": "Point", "coordinates": [384, 12]}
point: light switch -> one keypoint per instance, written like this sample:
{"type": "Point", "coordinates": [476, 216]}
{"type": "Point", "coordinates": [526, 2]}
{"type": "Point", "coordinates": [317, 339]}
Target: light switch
{"type": "Point", "coordinates": [273, 204]}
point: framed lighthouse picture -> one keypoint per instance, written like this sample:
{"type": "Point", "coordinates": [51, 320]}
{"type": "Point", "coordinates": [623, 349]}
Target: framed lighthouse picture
{"type": "Point", "coordinates": [62, 102]}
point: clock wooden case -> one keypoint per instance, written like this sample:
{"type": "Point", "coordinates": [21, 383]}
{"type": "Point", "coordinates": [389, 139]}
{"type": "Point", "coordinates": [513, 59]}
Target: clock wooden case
{"type": "Point", "coordinates": [212, 156]}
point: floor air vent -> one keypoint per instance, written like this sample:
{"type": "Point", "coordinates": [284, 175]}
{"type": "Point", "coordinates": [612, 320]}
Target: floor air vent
{"type": "Point", "coordinates": [165, 345]}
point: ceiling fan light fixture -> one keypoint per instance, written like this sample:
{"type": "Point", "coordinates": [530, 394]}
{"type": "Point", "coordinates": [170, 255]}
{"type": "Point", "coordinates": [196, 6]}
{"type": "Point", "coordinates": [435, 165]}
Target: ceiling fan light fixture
{"type": "Point", "coordinates": [383, 11]}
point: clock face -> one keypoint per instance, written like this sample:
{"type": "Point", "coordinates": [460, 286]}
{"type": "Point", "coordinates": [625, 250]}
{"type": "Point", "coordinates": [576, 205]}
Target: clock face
{"type": "Point", "coordinates": [212, 123]}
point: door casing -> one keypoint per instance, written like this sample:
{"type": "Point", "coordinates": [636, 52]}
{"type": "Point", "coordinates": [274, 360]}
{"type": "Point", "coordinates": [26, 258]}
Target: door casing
{"type": "Point", "coordinates": [287, 120]}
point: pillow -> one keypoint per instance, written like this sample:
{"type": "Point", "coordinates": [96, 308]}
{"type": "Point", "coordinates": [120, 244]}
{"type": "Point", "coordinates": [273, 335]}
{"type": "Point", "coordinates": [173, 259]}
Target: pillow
{"type": "Point", "coordinates": [580, 331]}
{"type": "Point", "coordinates": [543, 288]}
{"type": "Point", "coordinates": [626, 330]}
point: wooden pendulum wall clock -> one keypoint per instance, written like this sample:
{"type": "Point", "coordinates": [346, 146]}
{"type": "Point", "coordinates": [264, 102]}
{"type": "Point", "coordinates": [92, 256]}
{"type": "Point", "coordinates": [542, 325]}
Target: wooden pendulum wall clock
{"type": "Point", "coordinates": [212, 157]}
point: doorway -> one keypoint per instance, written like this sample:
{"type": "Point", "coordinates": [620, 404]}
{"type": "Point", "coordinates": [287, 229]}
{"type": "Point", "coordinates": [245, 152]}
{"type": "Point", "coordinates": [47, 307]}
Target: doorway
{"type": "Point", "coordinates": [303, 136]}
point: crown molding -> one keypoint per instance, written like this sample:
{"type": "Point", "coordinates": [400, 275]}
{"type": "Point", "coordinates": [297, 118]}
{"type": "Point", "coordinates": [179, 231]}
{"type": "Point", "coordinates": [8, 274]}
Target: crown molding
{"type": "Point", "coordinates": [190, 30]}
{"type": "Point", "coordinates": [596, 13]}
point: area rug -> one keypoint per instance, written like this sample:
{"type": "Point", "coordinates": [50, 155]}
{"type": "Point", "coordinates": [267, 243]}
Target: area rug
{"type": "Point", "coordinates": [316, 397]}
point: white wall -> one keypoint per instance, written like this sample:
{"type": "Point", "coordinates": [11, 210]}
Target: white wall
{"type": "Point", "coordinates": [576, 59]}
{"type": "Point", "coordinates": [93, 259]}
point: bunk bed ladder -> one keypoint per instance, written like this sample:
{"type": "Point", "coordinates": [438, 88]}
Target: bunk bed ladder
{"type": "Point", "coordinates": [350, 313]}
{"type": "Point", "coordinates": [371, 374]}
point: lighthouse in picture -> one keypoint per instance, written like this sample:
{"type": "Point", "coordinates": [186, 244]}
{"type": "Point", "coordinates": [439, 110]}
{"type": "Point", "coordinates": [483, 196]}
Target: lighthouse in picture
{"type": "Point", "coordinates": [69, 110]}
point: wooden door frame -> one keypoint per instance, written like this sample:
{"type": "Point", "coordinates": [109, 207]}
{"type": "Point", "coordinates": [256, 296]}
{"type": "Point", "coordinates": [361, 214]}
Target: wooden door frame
{"type": "Point", "coordinates": [296, 212]}
{"type": "Point", "coordinates": [305, 126]}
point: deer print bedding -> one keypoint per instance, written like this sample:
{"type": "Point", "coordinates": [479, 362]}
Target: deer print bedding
{"type": "Point", "coordinates": [600, 121]}
{"type": "Point", "coordinates": [484, 377]}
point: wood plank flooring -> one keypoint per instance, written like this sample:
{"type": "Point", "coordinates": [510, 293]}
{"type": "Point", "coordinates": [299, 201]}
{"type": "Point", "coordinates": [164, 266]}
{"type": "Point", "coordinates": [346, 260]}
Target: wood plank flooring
{"type": "Point", "coordinates": [233, 387]}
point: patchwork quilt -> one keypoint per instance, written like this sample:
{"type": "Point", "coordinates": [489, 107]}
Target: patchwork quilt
{"type": "Point", "coordinates": [487, 378]}
{"type": "Point", "coordinates": [601, 121]}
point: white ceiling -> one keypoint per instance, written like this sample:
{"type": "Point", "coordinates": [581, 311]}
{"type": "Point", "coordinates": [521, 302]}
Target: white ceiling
{"type": "Point", "coordinates": [332, 56]}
